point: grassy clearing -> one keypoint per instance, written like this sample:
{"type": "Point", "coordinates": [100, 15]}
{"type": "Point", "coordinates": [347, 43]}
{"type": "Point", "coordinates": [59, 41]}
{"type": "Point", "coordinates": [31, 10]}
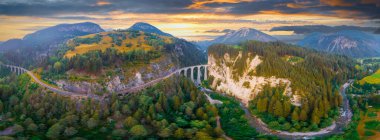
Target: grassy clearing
{"type": "Point", "coordinates": [372, 125]}
{"type": "Point", "coordinates": [372, 114]}
{"type": "Point", "coordinates": [293, 59]}
{"type": "Point", "coordinates": [372, 79]}
{"type": "Point", "coordinates": [129, 43]}
{"type": "Point", "coordinates": [369, 125]}
{"type": "Point", "coordinates": [369, 133]}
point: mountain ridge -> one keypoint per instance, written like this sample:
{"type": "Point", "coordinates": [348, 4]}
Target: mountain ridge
{"type": "Point", "coordinates": [241, 35]}
{"type": "Point", "coordinates": [52, 35]}
{"type": "Point", "coordinates": [347, 42]}
{"type": "Point", "coordinates": [148, 28]}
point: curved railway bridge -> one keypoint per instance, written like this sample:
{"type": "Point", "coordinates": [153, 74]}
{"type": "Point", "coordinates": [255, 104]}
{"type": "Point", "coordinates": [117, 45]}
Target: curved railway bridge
{"type": "Point", "coordinates": [182, 71]}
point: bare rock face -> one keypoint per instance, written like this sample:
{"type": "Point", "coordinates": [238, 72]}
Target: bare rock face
{"type": "Point", "coordinates": [246, 86]}
{"type": "Point", "coordinates": [79, 87]}
{"type": "Point", "coordinates": [115, 84]}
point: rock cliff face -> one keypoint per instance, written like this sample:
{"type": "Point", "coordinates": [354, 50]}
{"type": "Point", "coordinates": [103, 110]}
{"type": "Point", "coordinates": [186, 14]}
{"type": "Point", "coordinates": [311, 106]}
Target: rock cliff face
{"type": "Point", "coordinates": [246, 86]}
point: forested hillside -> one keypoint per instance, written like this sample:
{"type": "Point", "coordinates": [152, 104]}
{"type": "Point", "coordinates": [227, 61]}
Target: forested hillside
{"type": "Point", "coordinates": [34, 48]}
{"type": "Point", "coordinates": [112, 61]}
{"type": "Point", "coordinates": [314, 78]}
{"type": "Point", "coordinates": [174, 108]}
{"type": "Point", "coordinates": [120, 47]}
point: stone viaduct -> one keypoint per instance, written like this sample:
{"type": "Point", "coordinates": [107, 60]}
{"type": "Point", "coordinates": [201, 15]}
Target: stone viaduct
{"type": "Point", "coordinates": [197, 80]}
{"type": "Point", "coordinates": [15, 69]}
{"type": "Point", "coordinates": [181, 71]}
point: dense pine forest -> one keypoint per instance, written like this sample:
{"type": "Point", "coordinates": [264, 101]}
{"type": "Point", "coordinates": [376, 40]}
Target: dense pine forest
{"type": "Point", "coordinates": [174, 108]}
{"type": "Point", "coordinates": [317, 78]}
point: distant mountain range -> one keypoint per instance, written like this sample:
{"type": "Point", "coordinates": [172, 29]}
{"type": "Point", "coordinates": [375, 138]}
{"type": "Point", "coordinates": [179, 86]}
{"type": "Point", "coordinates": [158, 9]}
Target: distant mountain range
{"type": "Point", "coordinates": [348, 42]}
{"type": "Point", "coordinates": [147, 28]}
{"type": "Point", "coordinates": [307, 29]}
{"type": "Point", "coordinates": [53, 35]}
{"type": "Point", "coordinates": [235, 37]}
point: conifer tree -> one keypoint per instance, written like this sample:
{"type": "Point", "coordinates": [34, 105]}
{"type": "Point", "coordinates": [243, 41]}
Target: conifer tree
{"type": "Point", "coordinates": [295, 115]}
{"type": "Point", "coordinates": [278, 110]}
{"type": "Point", "coordinates": [287, 108]}
{"type": "Point", "coordinates": [303, 115]}
{"type": "Point", "coordinates": [314, 116]}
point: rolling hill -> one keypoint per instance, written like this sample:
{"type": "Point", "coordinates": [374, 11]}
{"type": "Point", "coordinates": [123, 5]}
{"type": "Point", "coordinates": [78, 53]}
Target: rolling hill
{"type": "Point", "coordinates": [372, 79]}
{"type": "Point", "coordinates": [35, 48]}
{"type": "Point", "coordinates": [111, 61]}
{"type": "Point", "coordinates": [52, 35]}
{"type": "Point", "coordinates": [147, 28]}
{"type": "Point", "coordinates": [123, 41]}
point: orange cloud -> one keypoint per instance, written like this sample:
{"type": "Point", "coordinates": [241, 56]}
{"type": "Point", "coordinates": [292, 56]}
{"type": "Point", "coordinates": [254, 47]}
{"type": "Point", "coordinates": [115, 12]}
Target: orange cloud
{"type": "Point", "coordinates": [191, 26]}
{"type": "Point", "coordinates": [101, 3]}
{"type": "Point", "coordinates": [298, 5]}
{"type": "Point", "coordinates": [349, 14]}
{"type": "Point", "coordinates": [336, 3]}
{"type": "Point", "coordinates": [200, 4]}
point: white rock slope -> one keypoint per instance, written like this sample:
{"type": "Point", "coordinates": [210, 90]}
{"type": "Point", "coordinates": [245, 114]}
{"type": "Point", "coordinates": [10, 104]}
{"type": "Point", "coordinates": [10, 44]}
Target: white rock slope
{"type": "Point", "coordinates": [248, 85]}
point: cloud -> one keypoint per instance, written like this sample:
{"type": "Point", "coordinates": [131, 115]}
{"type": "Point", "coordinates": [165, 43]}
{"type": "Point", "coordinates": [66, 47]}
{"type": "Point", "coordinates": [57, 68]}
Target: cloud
{"type": "Point", "coordinates": [320, 28]}
{"type": "Point", "coordinates": [201, 4]}
{"type": "Point", "coordinates": [78, 18]}
{"type": "Point", "coordinates": [337, 2]}
{"type": "Point", "coordinates": [218, 31]}
{"type": "Point", "coordinates": [377, 31]}
{"type": "Point", "coordinates": [44, 8]}
{"type": "Point", "coordinates": [377, 2]}
{"type": "Point", "coordinates": [364, 9]}
{"type": "Point", "coordinates": [102, 3]}
{"type": "Point", "coordinates": [34, 28]}
{"type": "Point", "coordinates": [367, 10]}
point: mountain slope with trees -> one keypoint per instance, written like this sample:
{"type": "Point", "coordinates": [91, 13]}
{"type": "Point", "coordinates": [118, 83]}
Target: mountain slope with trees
{"type": "Point", "coordinates": [147, 28]}
{"type": "Point", "coordinates": [173, 109]}
{"type": "Point", "coordinates": [316, 80]}
{"type": "Point", "coordinates": [35, 48]}
{"type": "Point", "coordinates": [116, 60]}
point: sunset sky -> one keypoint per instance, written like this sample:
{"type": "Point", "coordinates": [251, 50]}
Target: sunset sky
{"type": "Point", "coordinates": [189, 19]}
